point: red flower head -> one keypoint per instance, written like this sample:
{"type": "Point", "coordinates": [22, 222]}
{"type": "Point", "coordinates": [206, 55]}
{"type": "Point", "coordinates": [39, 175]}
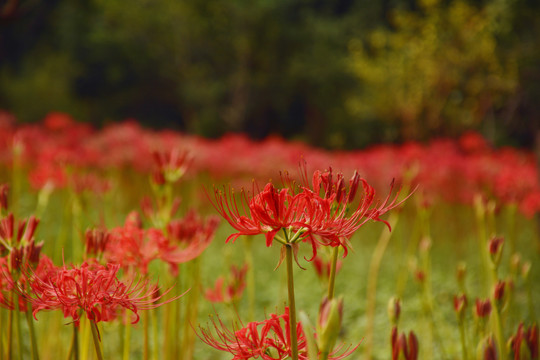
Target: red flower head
{"type": "Point", "coordinates": [93, 289]}
{"type": "Point", "coordinates": [234, 289]}
{"type": "Point", "coordinates": [319, 215]}
{"type": "Point", "coordinates": [268, 339]}
{"type": "Point", "coordinates": [131, 246]}
{"type": "Point", "coordinates": [187, 239]}
{"type": "Point", "coordinates": [171, 165]}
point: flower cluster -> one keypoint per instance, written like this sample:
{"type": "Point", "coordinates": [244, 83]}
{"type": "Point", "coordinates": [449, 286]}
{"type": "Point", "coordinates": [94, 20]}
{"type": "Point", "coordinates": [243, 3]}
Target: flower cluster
{"type": "Point", "coordinates": [269, 339]}
{"type": "Point", "coordinates": [92, 289]}
{"type": "Point", "coordinates": [318, 214]}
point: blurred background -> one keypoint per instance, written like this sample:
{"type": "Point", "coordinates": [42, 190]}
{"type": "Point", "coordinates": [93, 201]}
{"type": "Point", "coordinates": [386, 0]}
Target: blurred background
{"type": "Point", "coordinates": [339, 74]}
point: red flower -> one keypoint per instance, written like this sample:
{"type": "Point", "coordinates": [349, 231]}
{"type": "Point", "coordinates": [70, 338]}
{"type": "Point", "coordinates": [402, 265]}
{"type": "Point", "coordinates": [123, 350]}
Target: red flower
{"type": "Point", "coordinates": [268, 339]}
{"type": "Point", "coordinates": [234, 289]}
{"type": "Point", "coordinates": [133, 247]}
{"type": "Point", "coordinates": [93, 289]}
{"type": "Point", "coordinates": [187, 239]}
{"type": "Point", "coordinates": [305, 213]}
{"type": "Point", "coordinates": [10, 283]}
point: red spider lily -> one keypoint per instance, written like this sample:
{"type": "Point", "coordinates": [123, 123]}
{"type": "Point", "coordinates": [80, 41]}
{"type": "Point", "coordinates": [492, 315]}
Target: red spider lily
{"type": "Point", "coordinates": [133, 247]}
{"type": "Point", "coordinates": [93, 289]}
{"type": "Point", "coordinates": [234, 289]}
{"type": "Point", "coordinates": [95, 242]}
{"type": "Point", "coordinates": [11, 282]}
{"type": "Point", "coordinates": [303, 212]}
{"type": "Point", "coordinates": [227, 206]}
{"type": "Point", "coordinates": [187, 239]}
{"type": "Point", "coordinates": [171, 165]}
{"type": "Point", "coordinates": [268, 339]}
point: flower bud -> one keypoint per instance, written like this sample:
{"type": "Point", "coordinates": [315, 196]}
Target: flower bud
{"type": "Point", "coordinates": [329, 324]}
{"type": "Point", "coordinates": [495, 247]}
{"type": "Point", "coordinates": [498, 293]}
{"type": "Point", "coordinates": [525, 270]}
{"type": "Point", "coordinates": [394, 310]}
{"type": "Point", "coordinates": [461, 273]}
{"type": "Point", "coordinates": [482, 308]}
{"type": "Point", "coordinates": [460, 304]}
{"type": "Point", "coordinates": [515, 262]}
{"type": "Point", "coordinates": [487, 349]}
{"type": "Point", "coordinates": [524, 344]}
{"type": "Point", "coordinates": [404, 348]}
{"type": "Point", "coordinates": [4, 190]}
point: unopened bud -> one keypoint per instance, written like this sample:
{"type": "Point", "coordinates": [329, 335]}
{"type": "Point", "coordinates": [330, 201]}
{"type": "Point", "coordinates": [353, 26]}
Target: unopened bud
{"type": "Point", "coordinates": [482, 308]}
{"type": "Point", "coordinates": [4, 190]}
{"type": "Point", "coordinates": [495, 247]}
{"type": "Point", "coordinates": [460, 304]}
{"type": "Point", "coordinates": [404, 347]}
{"type": "Point", "coordinates": [487, 349]}
{"type": "Point", "coordinates": [498, 293]}
{"type": "Point", "coordinates": [394, 310]}
{"type": "Point", "coordinates": [523, 345]}
{"type": "Point", "coordinates": [525, 270]}
{"type": "Point", "coordinates": [425, 245]}
{"type": "Point", "coordinates": [515, 262]}
{"type": "Point", "coordinates": [461, 273]}
{"type": "Point", "coordinates": [329, 324]}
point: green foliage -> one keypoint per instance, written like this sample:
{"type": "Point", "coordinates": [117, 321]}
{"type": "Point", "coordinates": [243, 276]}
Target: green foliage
{"type": "Point", "coordinates": [340, 74]}
{"type": "Point", "coordinates": [439, 69]}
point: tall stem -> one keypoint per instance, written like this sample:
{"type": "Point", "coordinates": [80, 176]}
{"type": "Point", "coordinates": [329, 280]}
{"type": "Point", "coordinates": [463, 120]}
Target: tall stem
{"type": "Point", "coordinates": [373, 275]}
{"type": "Point", "coordinates": [250, 278]}
{"type": "Point", "coordinates": [33, 342]}
{"type": "Point", "coordinates": [95, 336]}
{"type": "Point", "coordinates": [332, 279]}
{"type": "Point", "coordinates": [146, 343]}
{"type": "Point", "coordinates": [292, 302]}
{"type": "Point", "coordinates": [75, 342]}
{"type": "Point", "coordinates": [463, 340]}
{"type": "Point", "coordinates": [127, 337]}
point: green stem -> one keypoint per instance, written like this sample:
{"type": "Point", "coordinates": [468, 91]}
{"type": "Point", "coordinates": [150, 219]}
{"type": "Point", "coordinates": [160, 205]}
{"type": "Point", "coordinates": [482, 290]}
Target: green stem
{"type": "Point", "coordinates": [18, 328]}
{"type": "Point", "coordinates": [373, 274]}
{"type": "Point", "coordinates": [127, 337]}
{"type": "Point", "coordinates": [191, 309]}
{"type": "Point", "coordinates": [155, 334]}
{"type": "Point", "coordinates": [177, 312]}
{"type": "Point", "coordinates": [482, 240]}
{"type": "Point", "coordinates": [332, 279]}
{"type": "Point", "coordinates": [250, 278]}
{"type": "Point", "coordinates": [530, 302]}
{"type": "Point", "coordinates": [33, 342]}
{"type": "Point", "coordinates": [463, 340]}
{"type": "Point", "coordinates": [292, 303]}
{"type": "Point", "coordinates": [1, 334]}
{"type": "Point", "coordinates": [75, 342]}
{"type": "Point", "coordinates": [146, 343]}
{"type": "Point", "coordinates": [10, 334]}
{"type": "Point", "coordinates": [95, 336]}
{"type": "Point", "coordinates": [85, 337]}
{"type": "Point", "coordinates": [497, 325]}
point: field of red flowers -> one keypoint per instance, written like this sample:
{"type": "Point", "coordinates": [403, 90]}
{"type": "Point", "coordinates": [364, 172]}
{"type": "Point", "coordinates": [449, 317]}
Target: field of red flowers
{"type": "Point", "coordinates": [127, 243]}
